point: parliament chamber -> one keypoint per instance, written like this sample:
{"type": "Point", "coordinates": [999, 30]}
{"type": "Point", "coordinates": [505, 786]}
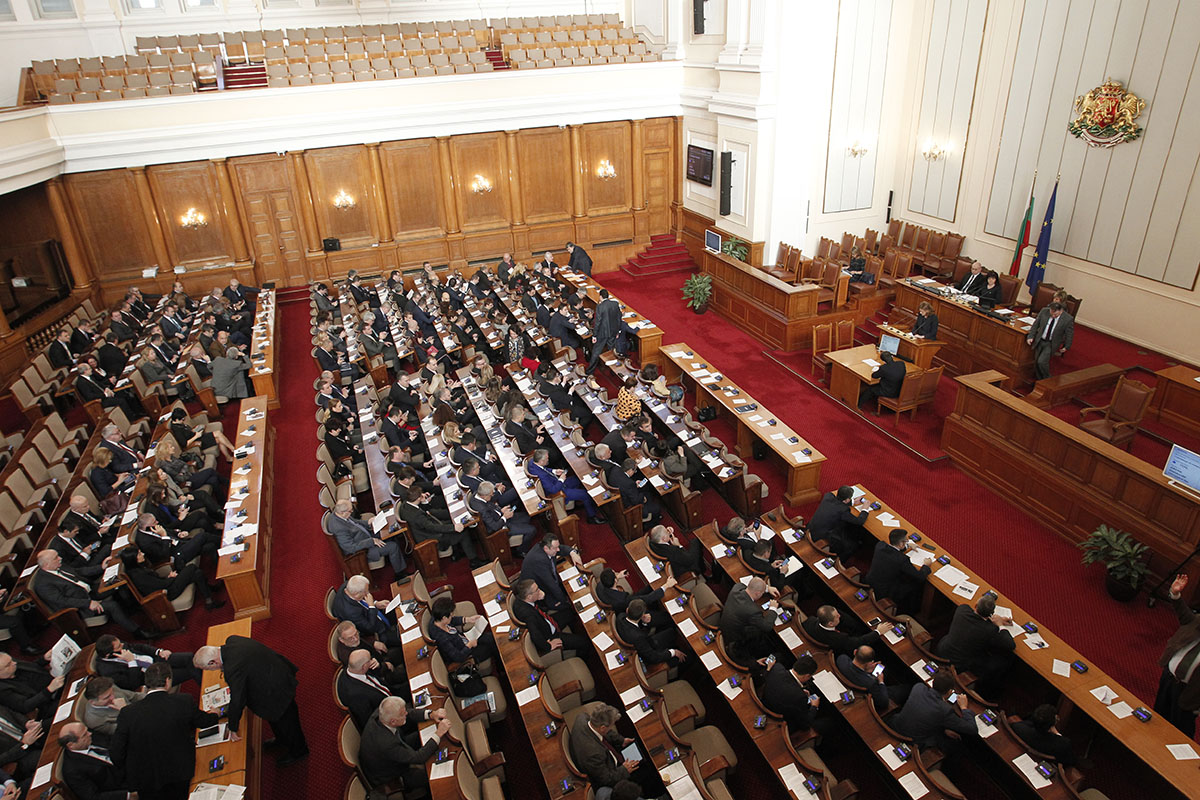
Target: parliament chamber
{"type": "Point", "coordinates": [687, 399]}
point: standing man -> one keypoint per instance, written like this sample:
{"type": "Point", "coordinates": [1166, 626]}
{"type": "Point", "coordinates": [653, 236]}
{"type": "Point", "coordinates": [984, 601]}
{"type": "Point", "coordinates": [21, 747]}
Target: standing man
{"type": "Point", "coordinates": [1052, 334]}
{"type": "Point", "coordinates": [155, 742]}
{"type": "Point", "coordinates": [579, 260]}
{"type": "Point", "coordinates": [263, 681]}
{"type": "Point", "coordinates": [1178, 697]}
{"type": "Point", "coordinates": [606, 324]}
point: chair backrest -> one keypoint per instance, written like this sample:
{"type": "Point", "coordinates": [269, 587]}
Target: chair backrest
{"type": "Point", "coordinates": [1130, 400]}
{"type": "Point", "coordinates": [922, 240]}
{"type": "Point", "coordinates": [348, 742]}
{"type": "Point", "coordinates": [893, 229]}
{"type": "Point", "coordinates": [961, 267]}
{"type": "Point", "coordinates": [871, 238]}
{"type": "Point", "coordinates": [929, 385]}
{"type": "Point", "coordinates": [909, 233]}
{"type": "Point", "coordinates": [1010, 286]}
{"type": "Point", "coordinates": [937, 241]}
{"type": "Point", "coordinates": [889, 264]}
{"type": "Point", "coordinates": [904, 264]}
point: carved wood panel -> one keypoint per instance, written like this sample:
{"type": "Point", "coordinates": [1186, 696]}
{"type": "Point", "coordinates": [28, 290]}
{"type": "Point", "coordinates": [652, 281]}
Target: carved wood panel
{"type": "Point", "coordinates": [413, 183]}
{"type": "Point", "coordinates": [178, 188]}
{"type": "Point", "coordinates": [657, 170]}
{"type": "Point", "coordinates": [343, 169]}
{"type": "Point", "coordinates": [271, 218]}
{"type": "Point", "coordinates": [600, 142]}
{"type": "Point", "coordinates": [544, 170]}
{"type": "Point", "coordinates": [484, 155]}
{"type": "Point", "coordinates": [111, 224]}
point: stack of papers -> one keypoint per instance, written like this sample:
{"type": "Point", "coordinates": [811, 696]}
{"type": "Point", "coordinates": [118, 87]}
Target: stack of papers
{"type": "Point", "coordinates": [828, 685]}
{"type": "Point", "coordinates": [950, 575]}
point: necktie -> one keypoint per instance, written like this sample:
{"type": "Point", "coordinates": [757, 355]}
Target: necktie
{"type": "Point", "coordinates": [10, 729]}
{"type": "Point", "coordinates": [378, 613]}
{"type": "Point", "coordinates": [1049, 329]}
{"type": "Point", "coordinates": [612, 748]}
{"type": "Point", "coordinates": [66, 577]}
{"type": "Point", "coordinates": [1187, 663]}
{"type": "Point", "coordinates": [100, 753]}
{"type": "Point", "coordinates": [73, 544]}
{"type": "Point", "coordinates": [549, 621]}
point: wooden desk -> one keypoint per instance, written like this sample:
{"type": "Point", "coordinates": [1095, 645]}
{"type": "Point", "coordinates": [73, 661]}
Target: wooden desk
{"type": "Point", "coordinates": [918, 351]}
{"type": "Point", "coordinates": [972, 340]}
{"type": "Point", "coordinates": [242, 758]}
{"type": "Point", "coordinates": [649, 335]}
{"type": "Point", "coordinates": [850, 372]}
{"type": "Point", "coordinates": [1146, 740]}
{"type": "Point", "coordinates": [248, 581]}
{"type": "Point", "coordinates": [262, 349]}
{"type": "Point", "coordinates": [1177, 398]}
{"type": "Point", "coordinates": [1064, 477]}
{"type": "Point", "coordinates": [803, 468]}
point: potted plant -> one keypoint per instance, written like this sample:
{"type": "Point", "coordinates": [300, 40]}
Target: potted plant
{"type": "Point", "coordinates": [735, 248]}
{"type": "Point", "coordinates": [1122, 557]}
{"type": "Point", "coordinates": [697, 290]}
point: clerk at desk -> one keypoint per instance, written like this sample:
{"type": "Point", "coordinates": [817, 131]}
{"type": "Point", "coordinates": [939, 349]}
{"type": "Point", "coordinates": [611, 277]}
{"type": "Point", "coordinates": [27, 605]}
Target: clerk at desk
{"type": "Point", "coordinates": [925, 326]}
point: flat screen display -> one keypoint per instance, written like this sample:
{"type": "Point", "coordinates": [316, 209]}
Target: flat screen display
{"type": "Point", "coordinates": [699, 164]}
{"type": "Point", "coordinates": [712, 241]}
{"type": "Point", "coordinates": [1183, 466]}
{"type": "Point", "coordinates": [889, 344]}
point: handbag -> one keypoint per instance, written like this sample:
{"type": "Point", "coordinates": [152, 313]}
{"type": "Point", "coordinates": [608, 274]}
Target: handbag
{"type": "Point", "coordinates": [706, 414]}
{"type": "Point", "coordinates": [114, 504]}
{"type": "Point", "coordinates": [466, 681]}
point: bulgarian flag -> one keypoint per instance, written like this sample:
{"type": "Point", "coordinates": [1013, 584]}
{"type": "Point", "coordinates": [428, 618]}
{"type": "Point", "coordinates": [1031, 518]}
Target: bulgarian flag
{"type": "Point", "coordinates": [1023, 239]}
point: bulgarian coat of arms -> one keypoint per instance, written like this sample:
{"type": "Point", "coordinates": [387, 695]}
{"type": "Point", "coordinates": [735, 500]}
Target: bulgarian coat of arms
{"type": "Point", "coordinates": [1107, 115]}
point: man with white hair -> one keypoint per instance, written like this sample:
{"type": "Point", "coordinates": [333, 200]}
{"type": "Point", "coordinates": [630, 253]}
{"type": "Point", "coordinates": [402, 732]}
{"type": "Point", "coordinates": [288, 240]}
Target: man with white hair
{"type": "Point", "coordinates": [90, 525]}
{"type": "Point", "coordinates": [60, 588]}
{"type": "Point", "coordinates": [495, 516]}
{"type": "Point", "coordinates": [353, 603]}
{"type": "Point", "coordinates": [355, 535]}
{"type": "Point", "coordinates": [360, 689]}
{"type": "Point", "coordinates": [386, 753]}
{"type": "Point", "coordinates": [125, 458]}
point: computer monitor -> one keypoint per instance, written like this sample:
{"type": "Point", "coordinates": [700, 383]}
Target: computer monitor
{"type": "Point", "coordinates": [889, 344]}
{"type": "Point", "coordinates": [1183, 468]}
{"type": "Point", "coordinates": [712, 241]}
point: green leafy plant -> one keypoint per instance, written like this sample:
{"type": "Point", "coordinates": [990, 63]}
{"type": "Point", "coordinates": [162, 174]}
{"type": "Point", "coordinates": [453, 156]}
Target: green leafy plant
{"type": "Point", "coordinates": [1120, 553]}
{"type": "Point", "coordinates": [697, 290]}
{"type": "Point", "coordinates": [736, 248]}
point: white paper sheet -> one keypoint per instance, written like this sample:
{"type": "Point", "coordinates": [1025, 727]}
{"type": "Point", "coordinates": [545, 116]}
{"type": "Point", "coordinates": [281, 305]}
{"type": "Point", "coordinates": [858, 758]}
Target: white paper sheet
{"type": "Point", "coordinates": [1183, 752]}
{"type": "Point", "coordinates": [912, 784]}
{"type": "Point", "coordinates": [710, 660]}
{"type": "Point", "coordinates": [888, 754]}
{"type": "Point", "coordinates": [1061, 668]}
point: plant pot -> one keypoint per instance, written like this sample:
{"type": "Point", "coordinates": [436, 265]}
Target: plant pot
{"type": "Point", "coordinates": [1119, 590]}
{"type": "Point", "coordinates": [700, 309]}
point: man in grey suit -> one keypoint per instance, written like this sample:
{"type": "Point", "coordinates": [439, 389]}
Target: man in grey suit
{"type": "Point", "coordinates": [596, 748]}
{"type": "Point", "coordinates": [1051, 334]}
{"type": "Point", "coordinates": [354, 535]}
{"type": "Point", "coordinates": [229, 374]}
{"type": "Point", "coordinates": [605, 327]}
{"type": "Point", "coordinates": [745, 624]}
{"type": "Point", "coordinates": [386, 753]}
{"type": "Point", "coordinates": [104, 701]}
{"type": "Point", "coordinates": [936, 716]}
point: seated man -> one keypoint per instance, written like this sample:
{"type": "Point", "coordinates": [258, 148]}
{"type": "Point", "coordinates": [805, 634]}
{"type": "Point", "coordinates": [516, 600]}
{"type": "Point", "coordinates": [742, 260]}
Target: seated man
{"type": "Point", "coordinates": [549, 630]}
{"type": "Point", "coordinates": [353, 602]}
{"type": "Point", "coordinates": [460, 638]}
{"type": "Point", "coordinates": [866, 673]}
{"type": "Point", "coordinates": [126, 663]}
{"type": "Point", "coordinates": [976, 642]}
{"type": "Point", "coordinates": [359, 690]}
{"type": "Point", "coordinates": [557, 481]}
{"type": "Point", "coordinates": [823, 627]}
{"type": "Point", "coordinates": [88, 562]}
{"type": "Point", "coordinates": [495, 516]}
{"type": "Point", "coordinates": [611, 595]}
{"type": "Point", "coordinates": [785, 692]}
{"type": "Point", "coordinates": [27, 687]}
{"type": "Point", "coordinates": [665, 544]}
{"type": "Point", "coordinates": [103, 701]}
{"type": "Point", "coordinates": [86, 770]}
{"type": "Point", "coordinates": [596, 748]}
{"type": "Point", "coordinates": [635, 491]}
{"type": "Point", "coordinates": [890, 376]}
{"type": "Point", "coordinates": [424, 526]}
{"type": "Point", "coordinates": [936, 716]}
{"type": "Point", "coordinates": [355, 535]}
{"type": "Point", "coordinates": [1040, 732]}
{"type": "Point", "coordinates": [387, 755]}
{"type": "Point", "coordinates": [761, 559]}
{"type": "Point", "coordinates": [834, 521]}
{"type": "Point", "coordinates": [892, 573]}
{"type": "Point", "coordinates": [746, 626]}
{"type": "Point", "coordinates": [390, 669]}
{"type": "Point", "coordinates": [653, 645]}
{"type": "Point", "coordinates": [59, 588]}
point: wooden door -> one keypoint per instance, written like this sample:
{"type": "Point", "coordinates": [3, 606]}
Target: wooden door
{"type": "Point", "coordinates": [272, 220]}
{"type": "Point", "coordinates": [657, 173]}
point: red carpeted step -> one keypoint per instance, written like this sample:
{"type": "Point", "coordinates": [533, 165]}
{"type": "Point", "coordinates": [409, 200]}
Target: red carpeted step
{"type": "Point", "coordinates": [663, 255]}
{"type": "Point", "coordinates": [497, 59]}
{"type": "Point", "coordinates": [245, 76]}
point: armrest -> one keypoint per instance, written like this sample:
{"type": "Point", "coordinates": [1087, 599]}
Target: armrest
{"type": "Point", "coordinates": [567, 689]}
{"type": "Point", "coordinates": [478, 708]}
{"type": "Point", "coordinates": [844, 790]}
{"type": "Point", "coordinates": [486, 765]}
{"type": "Point", "coordinates": [681, 715]}
{"type": "Point", "coordinates": [713, 766]}
{"type": "Point", "coordinates": [1093, 410]}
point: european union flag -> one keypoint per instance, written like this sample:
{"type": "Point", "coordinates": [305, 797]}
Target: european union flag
{"type": "Point", "coordinates": [1037, 269]}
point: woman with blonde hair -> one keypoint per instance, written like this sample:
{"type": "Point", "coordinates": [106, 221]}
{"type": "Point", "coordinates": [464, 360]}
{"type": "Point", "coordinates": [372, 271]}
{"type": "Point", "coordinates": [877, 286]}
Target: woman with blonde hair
{"type": "Point", "coordinates": [183, 469]}
{"type": "Point", "coordinates": [451, 434]}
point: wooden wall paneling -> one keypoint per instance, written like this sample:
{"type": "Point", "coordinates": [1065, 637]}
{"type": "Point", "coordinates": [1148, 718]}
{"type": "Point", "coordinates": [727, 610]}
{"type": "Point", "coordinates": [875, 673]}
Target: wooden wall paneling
{"type": "Point", "coordinates": [487, 245]}
{"type": "Point", "coordinates": [485, 155]}
{"type": "Point", "coordinates": [578, 204]}
{"type": "Point", "coordinates": [110, 222]}
{"type": "Point", "coordinates": [658, 164]}
{"type": "Point", "coordinates": [516, 193]}
{"type": "Point", "coordinates": [335, 169]}
{"type": "Point", "coordinates": [609, 141]}
{"type": "Point", "coordinates": [379, 194]}
{"type": "Point", "coordinates": [64, 221]}
{"type": "Point", "coordinates": [176, 189]}
{"type": "Point", "coordinates": [271, 217]}
{"type": "Point", "coordinates": [553, 236]}
{"type": "Point", "coordinates": [413, 187]}
{"type": "Point", "coordinates": [435, 251]}
{"type": "Point", "coordinates": [544, 173]}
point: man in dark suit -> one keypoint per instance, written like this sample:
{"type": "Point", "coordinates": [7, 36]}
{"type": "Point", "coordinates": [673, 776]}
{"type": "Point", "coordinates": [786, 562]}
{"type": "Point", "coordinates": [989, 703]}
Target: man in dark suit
{"type": "Point", "coordinates": [59, 352]}
{"type": "Point", "coordinates": [111, 358]}
{"type": "Point", "coordinates": [619, 441]}
{"type": "Point", "coordinates": [83, 336]}
{"type": "Point", "coordinates": [823, 627]}
{"type": "Point", "coordinates": [155, 742]}
{"type": "Point", "coordinates": [425, 526]}
{"type": "Point", "coordinates": [890, 376]}
{"type": "Point", "coordinates": [974, 280]}
{"type": "Point", "coordinates": [1040, 733]}
{"type": "Point", "coordinates": [88, 771]}
{"type": "Point", "coordinates": [1052, 334]}
{"type": "Point", "coordinates": [616, 598]}
{"type": "Point", "coordinates": [548, 629]}
{"type": "Point", "coordinates": [892, 573]}
{"type": "Point", "coordinates": [665, 544]}
{"type": "Point", "coordinates": [745, 624]}
{"type": "Point", "coordinates": [541, 564]}
{"type": "Point", "coordinates": [353, 603]}
{"type": "Point", "coordinates": [932, 713]}
{"type": "Point", "coordinates": [21, 743]}
{"type": "Point", "coordinates": [93, 386]}
{"type": "Point", "coordinates": [360, 691]}
{"type": "Point", "coordinates": [634, 491]}
{"type": "Point", "coordinates": [236, 293]}
{"type": "Point", "coordinates": [59, 588]}
{"type": "Point", "coordinates": [27, 688]}
{"type": "Point", "coordinates": [118, 326]}
{"type": "Point", "coordinates": [263, 681]}
{"type": "Point", "coordinates": [555, 481]}
{"type": "Point", "coordinates": [547, 264]}
{"type": "Point", "coordinates": [496, 516]}
{"type": "Point", "coordinates": [834, 520]}
{"type": "Point", "coordinates": [596, 747]}
{"type": "Point", "coordinates": [977, 643]}
{"type": "Point", "coordinates": [561, 326]}
{"type": "Point", "coordinates": [1178, 698]}
{"type": "Point", "coordinates": [125, 458]}
{"type": "Point", "coordinates": [606, 324]}
{"type": "Point", "coordinates": [863, 671]}
{"type": "Point", "coordinates": [783, 691]}
{"type": "Point", "coordinates": [87, 561]}
{"type": "Point", "coordinates": [388, 753]}
{"type": "Point", "coordinates": [354, 535]}
{"type": "Point", "coordinates": [653, 644]}
{"type": "Point", "coordinates": [90, 526]}
{"type": "Point", "coordinates": [579, 259]}
{"type": "Point", "coordinates": [126, 663]}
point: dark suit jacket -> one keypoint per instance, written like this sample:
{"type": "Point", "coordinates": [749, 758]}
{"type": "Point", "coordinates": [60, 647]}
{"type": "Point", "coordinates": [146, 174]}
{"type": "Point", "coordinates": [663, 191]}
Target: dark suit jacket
{"type": "Point", "coordinates": [259, 679]}
{"type": "Point", "coordinates": [111, 358]}
{"type": "Point", "coordinates": [1063, 333]}
{"type": "Point", "coordinates": [1188, 632]}
{"type": "Point", "coordinates": [580, 260]}
{"type": "Point", "coordinates": [926, 326]}
{"type": "Point", "coordinates": [972, 283]}
{"type": "Point", "coordinates": [422, 524]}
{"type": "Point", "coordinates": [926, 714]}
{"type": "Point", "coordinates": [60, 354]}
{"type": "Point", "coordinates": [124, 332]}
{"type": "Point", "coordinates": [89, 568]}
{"type": "Point", "coordinates": [891, 376]}
{"type": "Point", "coordinates": [81, 341]}
{"type": "Point", "coordinates": [618, 600]}
{"type": "Point", "coordinates": [741, 615]}
{"type": "Point", "coordinates": [782, 693]}
{"type": "Point", "coordinates": [892, 574]}
{"type": "Point", "coordinates": [367, 620]}
{"type": "Point", "coordinates": [384, 755]}
{"type": "Point", "coordinates": [91, 387]}
{"type": "Point", "coordinates": [523, 433]}
{"type": "Point", "coordinates": [631, 493]}
{"type": "Point", "coordinates": [123, 459]}
{"type": "Point", "coordinates": [861, 678]}
{"type": "Point", "coordinates": [991, 295]}
{"type": "Point", "coordinates": [642, 638]}
{"type": "Point", "coordinates": [58, 593]}
{"type": "Point", "coordinates": [538, 565]}
{"type": "Point", "coordinates": [1054, 745]}
{"type": "Point", "coordinates": [607, 321]}
{"type": "Point", "coordinates": [620, 449]}
{"type": "Point", "coordinates": [127, 676]}
{"type": "Point", "coordinates": [539, 629]}
{"type": "Point", "coordinates": [155, 742]}
{"type": "Point", "coordinates": [360, 698]}
{"type": "Point", "coordinates": [328, 360]}
{"type": "Point", "coordinates": [26, 691]}
{"type": "Point", "coordinates": [836, 640]}
{"type": "Point", "coordinates": [597, 761]}
{"type": "Point", "coordinates": [90, 778]}
{"type": "Point", "coordinates": [972, 640]}
{"type": "Point", "coordinates": [833, 519]}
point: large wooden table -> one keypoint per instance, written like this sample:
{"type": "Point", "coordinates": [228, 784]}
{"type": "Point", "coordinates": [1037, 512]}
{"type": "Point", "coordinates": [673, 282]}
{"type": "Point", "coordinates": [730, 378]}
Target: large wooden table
{"type": "Point", "coordinates": [649, 335]}
{"type": "Point", "coordinates": [1177, 397]}
{"type": "Point", "coordinates": [972, 340]}
{"type": "Point", "coordinates": [849, 370]}
{"type": "Point", "coordinates": [248, 580]}
{"type": "Point", "coordinates": [1147, 741]}
{"type": "Point", "coordinates": [801, 460]}
{"type": "Point", "coordinates": [263, 357]}
{"type": "Point", "coordinates": [243, 764]}
{"type": "Point", "coordinates": [1063, 476]}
